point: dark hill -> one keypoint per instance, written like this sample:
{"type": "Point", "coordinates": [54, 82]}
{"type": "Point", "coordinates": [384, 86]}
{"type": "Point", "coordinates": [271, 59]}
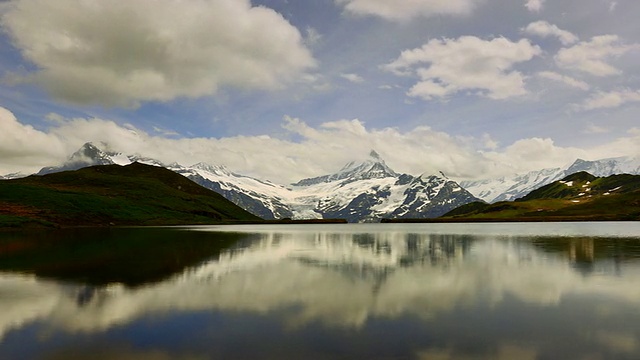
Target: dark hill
{"type": "Point", "coordinates": [135, 194]}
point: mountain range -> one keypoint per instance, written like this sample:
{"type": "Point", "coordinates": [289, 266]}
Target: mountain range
{"type": "Point", "coordinates": [519, 185]}
{"type": "Point", "coordinates": [579, 196]}
{"type": "Point", "coordinates": [359, 192]}
{"type": "Point", "coordinates": [366, 191]}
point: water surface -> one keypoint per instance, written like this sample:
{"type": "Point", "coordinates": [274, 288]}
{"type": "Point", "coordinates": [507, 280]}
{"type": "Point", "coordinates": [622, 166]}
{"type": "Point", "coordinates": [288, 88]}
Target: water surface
{"type": "Point", "coordinates": [378, 291]}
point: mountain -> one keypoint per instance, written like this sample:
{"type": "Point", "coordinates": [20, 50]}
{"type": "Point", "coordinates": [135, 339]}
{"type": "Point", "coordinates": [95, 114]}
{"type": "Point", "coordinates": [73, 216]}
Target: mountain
{"type": "Point", "coordinates": [579, 196]}
{"type": "Point", "coordinates": [262, 198]}
{"type": "Point", "coordinates": [607, 167]}
{"type": "Point", "coordinates": [90, 155]}
{"type": "Point", "coordinates": [370, 191]}
{"type": "Point", "coordinates": [372, 168]}
{"type": "Point", "coordinates": [134, 194]}
{"type": "Point", "coordinates": [360, 192]}
{"type": "Point", "coordinates": [15, 175]}
{"type": "Point", "coordinates": [511, 188]}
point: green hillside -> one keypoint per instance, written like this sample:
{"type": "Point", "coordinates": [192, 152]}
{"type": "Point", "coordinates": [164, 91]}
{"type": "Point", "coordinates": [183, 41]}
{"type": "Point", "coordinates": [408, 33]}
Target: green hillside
{"type": "Point", "coordinates": [579, 196]}
{"type": "Point", "coordinates": [135, 194]}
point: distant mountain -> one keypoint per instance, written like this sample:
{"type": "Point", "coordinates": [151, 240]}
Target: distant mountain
{"type": "Point", "coordinates": [511, 188]}
{"type": "Point", "coordinates": [134, 194]}
{"type": "Point", "coordinates": [262, 198]}
{"type": "Point", "coordinates": [371, 191]}
{"type": "Point", "coordinates": [359, 192]}
{"type": "Point", "coordinates": [607, 167]}
{"type": "Point", "coordinates": [579, 196]}
{"type": "Point", "coordinates": [372, 168]}
{"type": "Point", "coordinates": [90, 155]}
{"type": "Point", "coordinates": [15, 175]}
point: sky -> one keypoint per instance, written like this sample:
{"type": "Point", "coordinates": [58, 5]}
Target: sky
{"type": "Point", "coordinates": [284, 89]}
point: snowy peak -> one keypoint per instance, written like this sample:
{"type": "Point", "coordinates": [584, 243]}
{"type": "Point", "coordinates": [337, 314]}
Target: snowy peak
{"type": "Point", "coordinates": [88, 155]}
{"type": "Point", "coordinates": [372, 168]}
{"type": "Point", "coordinates": [606, 167]}
{"type": "Point", "coordinates": [213, 169]}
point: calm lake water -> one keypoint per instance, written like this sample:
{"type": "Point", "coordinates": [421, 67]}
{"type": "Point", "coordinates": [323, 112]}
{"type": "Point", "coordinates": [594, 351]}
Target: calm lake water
{"type": "Point", "coordinates": [375, 291]}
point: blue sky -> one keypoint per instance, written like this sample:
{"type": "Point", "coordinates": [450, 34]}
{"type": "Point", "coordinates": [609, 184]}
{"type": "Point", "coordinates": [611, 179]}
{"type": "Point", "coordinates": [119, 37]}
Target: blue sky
{"type": "Point", "coordinates": [284, 89]}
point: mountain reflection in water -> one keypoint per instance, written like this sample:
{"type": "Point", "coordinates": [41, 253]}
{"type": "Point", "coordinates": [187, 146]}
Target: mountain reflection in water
{"type": "Point", "coordinates": [345, 291]}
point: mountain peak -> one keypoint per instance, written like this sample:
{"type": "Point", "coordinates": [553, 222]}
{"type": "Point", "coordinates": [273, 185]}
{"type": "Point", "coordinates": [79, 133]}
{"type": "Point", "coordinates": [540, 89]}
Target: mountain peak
{"type": "Point", "coordinates": [372, 168]}
{"type": "Point", "coordinates": [214, 169]}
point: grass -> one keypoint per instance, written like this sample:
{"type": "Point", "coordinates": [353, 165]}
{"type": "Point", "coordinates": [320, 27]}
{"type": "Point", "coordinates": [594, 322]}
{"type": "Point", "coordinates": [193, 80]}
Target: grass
{"type": "Point", "coordinates": [135, 194]}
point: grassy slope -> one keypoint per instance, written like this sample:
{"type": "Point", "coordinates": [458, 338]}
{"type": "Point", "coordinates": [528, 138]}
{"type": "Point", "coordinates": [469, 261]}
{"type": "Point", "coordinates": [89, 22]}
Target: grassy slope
{"type": "Point", "coordinates": [580, 196]}
{"type": "Point", "coordinates": [135, 194]}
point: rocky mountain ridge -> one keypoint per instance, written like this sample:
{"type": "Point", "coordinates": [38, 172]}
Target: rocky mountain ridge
{"type": "Point", "coordinates": [359, 192]}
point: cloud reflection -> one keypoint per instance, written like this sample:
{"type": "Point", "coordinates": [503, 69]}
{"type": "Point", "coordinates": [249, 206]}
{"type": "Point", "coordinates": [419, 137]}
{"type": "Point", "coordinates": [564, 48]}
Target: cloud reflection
{"type": "Point", "coordinates": [340, 280]}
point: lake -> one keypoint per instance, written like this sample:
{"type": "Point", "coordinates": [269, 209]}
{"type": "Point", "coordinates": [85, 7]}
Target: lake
{"type": "Point", "coordinates": [355, 291]}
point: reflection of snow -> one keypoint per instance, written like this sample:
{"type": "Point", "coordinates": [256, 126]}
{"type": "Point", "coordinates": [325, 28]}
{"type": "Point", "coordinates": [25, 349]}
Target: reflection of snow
{"type": "Point", "coordinates": [340, 279]}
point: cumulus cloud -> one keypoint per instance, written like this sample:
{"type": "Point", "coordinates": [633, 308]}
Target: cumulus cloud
{"type": "Point", "coordinates": [534, 5]}
{"type": "Point", "coordinates": [595, 129]}
{"type": "Point", "coordinates": [567, 80]}
{"type": "Point", "coordinates": [23, 148]}
{"type": "Point", "coordinates": [401, 10]}
{"type": "Point", "coordinates": [121, 53]}
{"type": "Point", "coordinates": [315, 151]}
{"type": "Point", "coordinates": [608, 100]}
{"type": "Point", "coordinates": [536, 153]}
{"type": "Point", "coordinates": [354, 78]}
{"type": "Point", "coordinates": [591, 56]}
{"type": "Point", "coordinates": [447, 66]}
{"type": "Point", "coordinates": [545, 29]}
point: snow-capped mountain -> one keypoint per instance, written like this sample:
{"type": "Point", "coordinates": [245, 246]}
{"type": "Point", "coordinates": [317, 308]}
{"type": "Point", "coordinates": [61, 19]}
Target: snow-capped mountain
{"type": "Point", "coordinates": [262, 198]}
{"type": "Point", "coordinates": [373, 168]}
{"type": "Point", "coordinates": [511, 188]}
{"type": "Point", "coordinates": [359, 192]}
{"type": "Point", "coordinates": [90, 155]}
{"type": "Point", "coordinates": [607, 167]}
{"type": "Point", "coordinates": [15, 175]}
{"type": "Point", "coordinates": [370, 191]}
{"type": "Point", "coordinates": [519, 185]}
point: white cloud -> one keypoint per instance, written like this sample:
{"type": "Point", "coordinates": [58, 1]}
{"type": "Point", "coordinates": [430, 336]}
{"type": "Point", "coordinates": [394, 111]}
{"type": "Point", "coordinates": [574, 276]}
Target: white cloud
{"type": "Point", "coordinates": [124, 52]}
{"type": "Point", "coordinates": [535, 154]}
{"type": "Point", "coordinates": [315, 151]}
{"type": "Point", "coordinates": [401, 10]}
{"type": "Point", "coordinates": [354, 78]}
{"type": "Point", "coordinates": [591, 56]}
{"type": "Point", "coordinates": [534, 5]}
{"type": "Point", "coordinates": [312, 36]}
{"type": "Point", "coordinates": [608, 100]}
{"type": "Point", "coordinates": [466, 63]}
{"type": "Point", "coordinates": [595, 129]}
{"type": "Point", "coordinates": [23, 148]}
{"type": "Point", "coordinates": [544, 29]}
{"type": "Point", "coordinates": [567, 80]}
